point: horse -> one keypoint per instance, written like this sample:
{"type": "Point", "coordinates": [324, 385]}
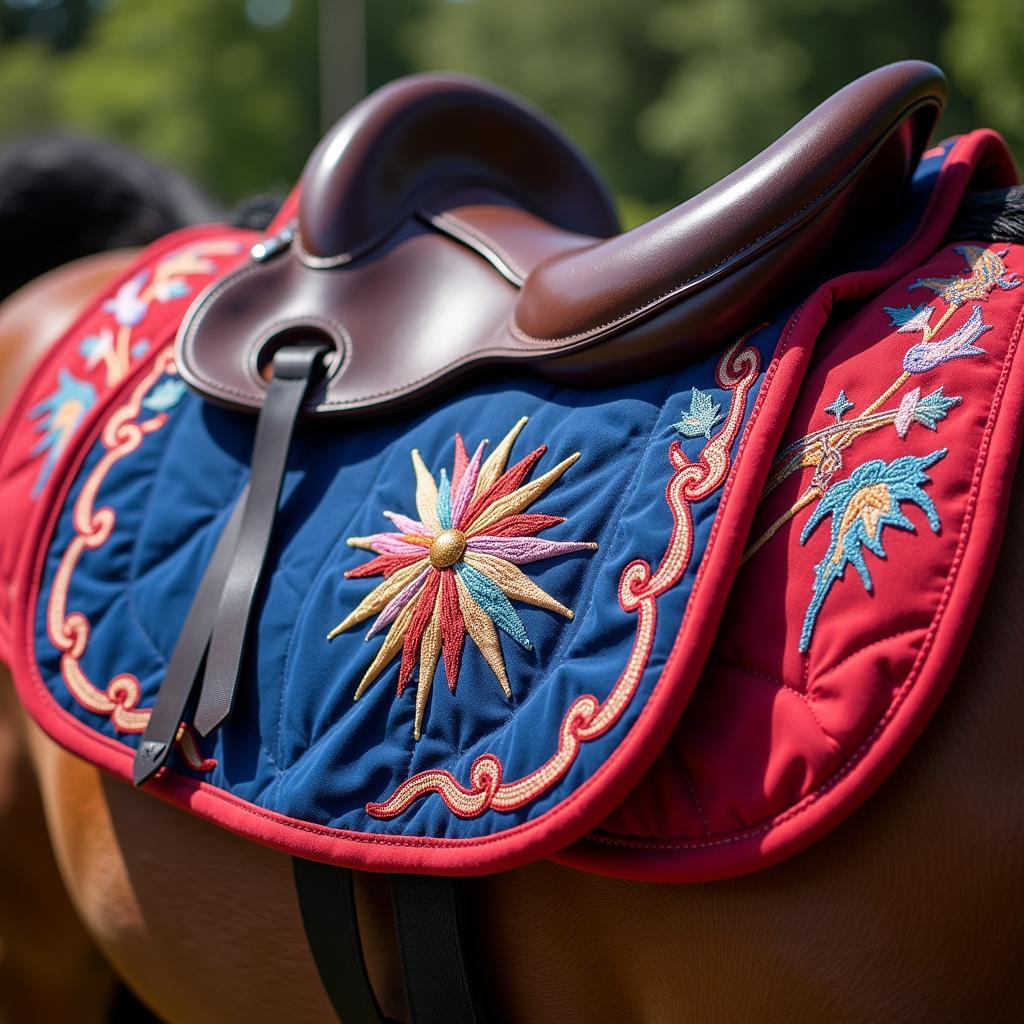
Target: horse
{"type": "Point", "coordinates": [906, 909]}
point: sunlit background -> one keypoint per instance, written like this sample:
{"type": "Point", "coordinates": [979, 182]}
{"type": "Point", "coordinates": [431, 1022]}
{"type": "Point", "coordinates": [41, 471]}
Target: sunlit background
{"type": "Point", "coordinates": [665, 95]}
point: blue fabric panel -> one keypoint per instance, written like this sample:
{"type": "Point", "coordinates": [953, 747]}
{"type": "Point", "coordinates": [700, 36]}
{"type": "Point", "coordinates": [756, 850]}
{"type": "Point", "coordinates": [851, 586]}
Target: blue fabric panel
{"type": "Point", "coordinates": [297, 742]}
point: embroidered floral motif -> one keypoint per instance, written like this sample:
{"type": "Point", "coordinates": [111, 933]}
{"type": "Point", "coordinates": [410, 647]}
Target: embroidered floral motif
{"type": "Point", "coordinates": [115, 348]}
{"type": "Point", "coordinates": [986, 271]}
{"type": "Point", "coordinates": [58, 417]}
{"type": "Point", "coordinates": [705, 414]}
{"type": "Point", "coordinates": [861, 507]}
{"type": "Point", "coordinates": [926, 355]}
{"type": "Point", "coordinates": [910, 318]}
{"type": "Point", "coordinates": [166, 395]}
{"type": "Point", "coordinates": [128, 308]}
{"type": "Point", "coordinates": [454, 571]}
{"type": "Point", "coordinates": [928, 411]}
{"type": "Point", "coordinates": [68, 628]}
{"type": "Point", "coordinates": [823, 450]}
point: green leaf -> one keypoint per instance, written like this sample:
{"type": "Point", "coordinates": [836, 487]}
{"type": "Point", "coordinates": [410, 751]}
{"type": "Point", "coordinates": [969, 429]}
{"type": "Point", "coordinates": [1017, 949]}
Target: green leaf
{"type": "Point", "coordinates": [704, 415]}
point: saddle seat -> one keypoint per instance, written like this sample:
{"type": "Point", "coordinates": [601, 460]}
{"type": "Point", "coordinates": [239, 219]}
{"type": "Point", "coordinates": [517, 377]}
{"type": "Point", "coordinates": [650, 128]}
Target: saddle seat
{"type": "Point", "coordinates": [692, 601]}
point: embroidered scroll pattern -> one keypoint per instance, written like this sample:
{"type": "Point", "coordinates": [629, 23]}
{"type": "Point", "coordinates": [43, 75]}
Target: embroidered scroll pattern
{"type": "Point", "coordinates": [68, 630]}
{"type": "Point", "coordinates": [455, 571]}
{"type": "Point", "coordinates": [589, 718]}
{"type": "Point", "coordinates": [869, 499]}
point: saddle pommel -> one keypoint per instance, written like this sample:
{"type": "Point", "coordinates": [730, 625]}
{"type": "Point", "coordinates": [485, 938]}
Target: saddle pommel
{"type": "Point", "coordinates": [398, 151]}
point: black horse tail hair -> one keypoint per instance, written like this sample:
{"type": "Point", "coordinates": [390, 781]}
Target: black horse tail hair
{"type": "Point", "coordinates": [993, 215]}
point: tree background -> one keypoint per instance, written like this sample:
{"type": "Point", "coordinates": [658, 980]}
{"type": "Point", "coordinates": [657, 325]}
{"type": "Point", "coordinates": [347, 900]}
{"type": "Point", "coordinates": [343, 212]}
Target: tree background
{"type": "Point", "coordinates": [665, 95]}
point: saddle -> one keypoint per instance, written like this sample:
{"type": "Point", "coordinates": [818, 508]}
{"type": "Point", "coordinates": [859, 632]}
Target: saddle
{"type": "Point", "coordinates": [443, 527]}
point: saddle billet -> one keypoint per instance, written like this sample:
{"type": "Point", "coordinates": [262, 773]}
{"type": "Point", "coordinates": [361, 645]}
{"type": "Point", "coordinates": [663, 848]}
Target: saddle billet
{"type": "Point", "coordinates": [657, 625]}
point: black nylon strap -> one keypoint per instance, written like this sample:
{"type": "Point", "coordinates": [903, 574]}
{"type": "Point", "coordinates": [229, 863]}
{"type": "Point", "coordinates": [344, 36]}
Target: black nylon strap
{"type": "Point", "coordinates": [183, 669]}
{"type": "Point", "coordinates": [294, 368]}
{"type": "Point", "coordinates": [432, 939]}
{"type": "Point", "coordinates": [328, 906]}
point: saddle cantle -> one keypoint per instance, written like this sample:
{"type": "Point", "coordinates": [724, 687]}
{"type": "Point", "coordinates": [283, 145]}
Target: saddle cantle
{"type": "Point", "coordinates": [689, 604]}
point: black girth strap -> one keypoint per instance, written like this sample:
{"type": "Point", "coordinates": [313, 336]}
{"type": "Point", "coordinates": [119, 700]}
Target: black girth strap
{"type": "Point", "coordinates": [294, 368]}
{"type": "Point", "coordinates": [432, 940]}
{"type": "Point", "coordinates": [328, 906]}
{"type": "Point", "coordinates": [187, 660]}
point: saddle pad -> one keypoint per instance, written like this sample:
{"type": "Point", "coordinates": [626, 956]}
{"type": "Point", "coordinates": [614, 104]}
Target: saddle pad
{"type": "Point", "coordinates": [522, 582]}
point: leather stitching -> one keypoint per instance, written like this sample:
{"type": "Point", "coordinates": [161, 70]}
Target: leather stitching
{"type": "Point", "coordinates": [496, 247]}
{"type": "Point", "coordinates": [193, 320]}
{"type": "Point", "coordinates": [835, 186]}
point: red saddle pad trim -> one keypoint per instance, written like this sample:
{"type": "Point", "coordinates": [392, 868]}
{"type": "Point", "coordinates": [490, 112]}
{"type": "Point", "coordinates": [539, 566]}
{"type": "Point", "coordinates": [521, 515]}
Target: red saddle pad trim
{"type": "Point", "coordinates": [721, 853]}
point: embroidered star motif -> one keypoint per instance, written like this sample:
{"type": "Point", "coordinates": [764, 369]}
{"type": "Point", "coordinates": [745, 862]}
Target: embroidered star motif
{"type": "Point", "coordinates": [455, 571]}
{"type": "Point", "coordinates": [840, 407]}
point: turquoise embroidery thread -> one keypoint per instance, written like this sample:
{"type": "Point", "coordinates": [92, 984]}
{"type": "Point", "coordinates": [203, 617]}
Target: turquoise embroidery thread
{"type": "Point", "coordinates": [490, 597]}
{"type": "Point", "coordinates": [985, 271]}
{"type": "Point", "coordinates": [840, 407]}
{"type": "Point", "coordinates": [166, 394]}
{"type": "Point", "coordinates": [444, 502]}
{"type": "Point", "coordinates": [705, 414]}
{"type": "Point", "coordinates": [862, 506]}
{"type": "Point", "coordinates": [58, 417]}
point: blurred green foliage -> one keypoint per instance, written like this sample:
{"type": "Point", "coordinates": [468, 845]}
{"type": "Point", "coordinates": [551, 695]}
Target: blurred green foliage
{"type": "Point", "coordinates": [191, 82]}
{"type": "Point", "coordinates": [666, 95]}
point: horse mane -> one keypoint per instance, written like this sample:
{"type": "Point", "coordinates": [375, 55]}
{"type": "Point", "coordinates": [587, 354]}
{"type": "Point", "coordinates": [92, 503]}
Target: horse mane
{"type": "Point", "coordinates": [63, 197]}
{"type": "Point", "coordinates": [993, 215]}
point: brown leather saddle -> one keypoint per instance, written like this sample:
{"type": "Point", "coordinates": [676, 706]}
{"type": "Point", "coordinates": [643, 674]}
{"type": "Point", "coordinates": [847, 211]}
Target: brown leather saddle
{"type": "Point", "coordinates": [444, 225]}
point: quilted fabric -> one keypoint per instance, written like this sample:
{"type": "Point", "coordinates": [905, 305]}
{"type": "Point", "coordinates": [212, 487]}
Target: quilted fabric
{"type": "Point", "coordinates": [299, 744]}
{"type": "Point", "coordinates": [787, 720]}
{"type": "Point", "coordinates": [127, 479]}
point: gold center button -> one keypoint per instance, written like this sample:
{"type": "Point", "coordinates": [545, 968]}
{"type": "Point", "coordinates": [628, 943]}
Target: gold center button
{"type": "Point", "coordinates": [447, 548]}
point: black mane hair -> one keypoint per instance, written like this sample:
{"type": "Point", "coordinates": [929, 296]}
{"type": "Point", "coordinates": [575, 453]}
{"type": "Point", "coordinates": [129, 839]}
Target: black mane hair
{"type": "Point", "coordinates": [62, 197]}
{"type": "Point", "coordinates": [993, 215]}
